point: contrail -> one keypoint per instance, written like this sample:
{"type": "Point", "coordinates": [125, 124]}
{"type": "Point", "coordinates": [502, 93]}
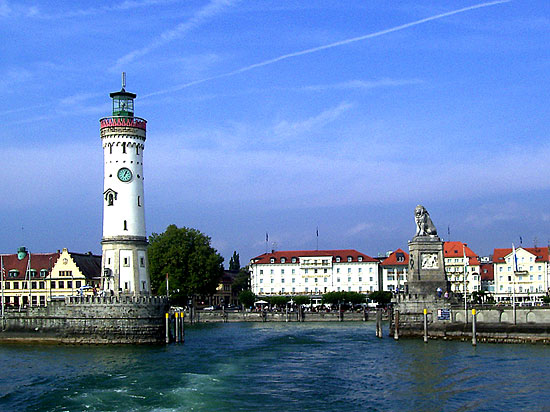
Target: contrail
{"type": "Point", "coordinates": [328, 46]}
{"type": "Point", "coordinates": [207, 12]}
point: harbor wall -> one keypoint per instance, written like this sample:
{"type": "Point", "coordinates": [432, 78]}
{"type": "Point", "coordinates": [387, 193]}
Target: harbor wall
{"type": "Point", "coordinates": [220, 316]}
{"type": "Point", "coordinates": [449, 320]}
{"type": "Point", "coordinates": [89, 320]}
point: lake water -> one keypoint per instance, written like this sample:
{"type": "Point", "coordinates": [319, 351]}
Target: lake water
{"type": "Point", "coordinates": [277, 367]}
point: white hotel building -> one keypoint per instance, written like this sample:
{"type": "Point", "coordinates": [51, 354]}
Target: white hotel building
{"type": "Point", "coordinates": [530, 282]}
{"type": "Point", "coordinates": [313, 272]}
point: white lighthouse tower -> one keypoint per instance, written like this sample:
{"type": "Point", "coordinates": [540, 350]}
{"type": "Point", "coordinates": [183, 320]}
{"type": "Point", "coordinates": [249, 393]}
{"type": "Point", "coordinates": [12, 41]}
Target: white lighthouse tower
{"type": "Point", "coordinates": [124, 242]}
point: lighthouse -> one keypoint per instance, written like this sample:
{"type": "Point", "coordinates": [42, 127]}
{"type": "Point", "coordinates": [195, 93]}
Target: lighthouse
{"type": "Point", "coordinates": [125, 268]}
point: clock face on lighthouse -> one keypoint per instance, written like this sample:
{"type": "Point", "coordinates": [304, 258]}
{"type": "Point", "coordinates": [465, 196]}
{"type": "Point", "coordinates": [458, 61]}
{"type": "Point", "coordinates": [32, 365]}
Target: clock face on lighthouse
{"type": "Point", "coordinates": [124, 174]}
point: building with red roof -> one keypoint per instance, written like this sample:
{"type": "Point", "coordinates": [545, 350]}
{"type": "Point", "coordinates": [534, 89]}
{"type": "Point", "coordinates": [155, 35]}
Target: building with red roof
{"type": "Point", "coordinates": [460, 259]}
{"type": "Point", "coordinates": [313, 272]}
{"type": "Point", "coordinates": [521, 274]}
{"type": "Point", "coordinates": [393, 271]}
{"type": "Point", "coordinates": [36, 278]}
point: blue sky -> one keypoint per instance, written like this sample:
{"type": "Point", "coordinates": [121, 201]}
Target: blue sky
{"type": "Point", "coordinates": [281, 117]}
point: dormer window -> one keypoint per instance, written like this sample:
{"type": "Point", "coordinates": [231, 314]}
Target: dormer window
{"type": "Point", "coordinates": [338, 259]}
{"type": "Point", "coordinates": [294, 260]}
{"type": "Point", "coordinates": [350, 258]}
{"type": "Point", "coordinates": [13, 273]}
{"type": "Point", "coordinates": [272, 260]}
{"type": "Point", "coordinates": [43, 273]}
{"type": "Point", "coordinates": [360, 259]}
{"type": "Point", "coordinates": [283, 260]}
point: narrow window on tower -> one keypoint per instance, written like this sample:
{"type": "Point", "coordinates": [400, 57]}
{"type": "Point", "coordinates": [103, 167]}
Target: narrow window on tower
{"type": "Point", "coordinates": [125, 225]}
{"type": "Point", "coordinates": [137, 149]}
{"type": "Point", "coordinates": [123, 147]}
{"type": "Point", "coordinates": [139, 201]}
{"type": "Point", "coordinates": [111, 149]}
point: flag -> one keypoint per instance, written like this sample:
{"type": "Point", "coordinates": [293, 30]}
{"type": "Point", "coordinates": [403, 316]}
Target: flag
{"type": "Point", "coordinates": [317, 231]}
{"type": "Point", "coordinates": [266, 237]}
{"type": "Point", "coordinates": [514, 256]}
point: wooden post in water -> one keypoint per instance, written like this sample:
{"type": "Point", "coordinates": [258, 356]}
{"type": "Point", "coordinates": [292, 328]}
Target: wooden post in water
{"type": "Point", "coordinates": [177, 326]}
{"type": "Point", "coordinates": [378, 323]}
{"type": "Point", "coordinates": [474, 337]}
{"type": "Point", "coordinates": [167, 327]}
{"type": "Point", "coordinates": [425, 325]}
{"type": "Point", "coordinates": [396, 324]}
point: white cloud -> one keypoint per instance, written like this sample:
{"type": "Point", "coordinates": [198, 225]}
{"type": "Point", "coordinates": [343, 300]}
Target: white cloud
{"type": "Point", "coordinates": [286, 129]}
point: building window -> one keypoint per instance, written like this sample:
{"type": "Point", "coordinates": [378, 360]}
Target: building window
{"type": "Point", "coordinates": [261, 281]}
{"type": "Point", "coordinates": [271, 272]}
{"type": "Point", "coordinates": [338, 280]}
{"type": "Point", "coordinates": [272, 280]}
{"type": "Point", "coordinates": [325, 270]}
{"type": "Point", "coordinates": [69, 284]}
{"type": "Point", "coordinates": [282, 271]}
{"type": "Point", "coordinates": [360, 279]}
{"type": "Point", "coordinates": [125, 225]}
{"type": "Point", "coordinates": [306, 279]}
{"type": "Point", "coordinates": [293, 260]}
{"type": "Point", "coordinates": [33, 285]}
{"type": "Point", "coordinates": [282, 280]}
{"type": "Point", "coordinates": [261, 272]}
{"type": "Point", "coordinates": [350, 258]}
{"type": "Point", "coordinates": [283, 260]}
{"type": "Point", "coordinates": [41, 285]}
{"type": "Point", "coordinates": [78, 284]}
{"type": "Point", "coordinates": [359, 270]}
{"type": "Point", "coordinates": [338, 259]}
{"type": "Point", "coordinates": [326, 280]}
{"type": "Point", "coordinates": [305, 270]}
{"type": "Point", "coordinates": [293, 280]}
{"type": "Point", "coordinates": [61, 284]}
{"type": "Point", "coordinates": [272, 260]}
{"type": "Point", "coordinates": [13, 273]}
{"type": "Point", "coordinates": [43, 273]}
{"type": "Point", "coordinates": [349, 278]}
{"type": "Point", "coordinates": [349, 270]}
{"type": "Point", "coordinates": [139, 201]}
{"type": "Point", "coordinates": [52, 284]}
{"type": "Point", "coordinates": [293, 271]}
{"type": "Point", "coordinates": [142, 262]}
{"type": "Point", "coordinates": [126, 261]}
{"type": "Point", "coordinates": [360, 259]}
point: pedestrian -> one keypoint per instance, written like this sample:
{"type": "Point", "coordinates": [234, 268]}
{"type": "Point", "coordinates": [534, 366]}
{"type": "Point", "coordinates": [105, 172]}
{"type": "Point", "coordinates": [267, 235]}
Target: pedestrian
{"type": "Point", "coordinates": [439, 292]}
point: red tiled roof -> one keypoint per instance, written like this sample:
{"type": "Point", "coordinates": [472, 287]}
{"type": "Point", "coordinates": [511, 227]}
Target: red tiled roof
{"type": "Point", "coordinates": [541, 253]}
{"type": "Point", "coordinates": [289, 254]}
{"type": "Point", "coordinates": [39, 261]}
{"type": "Point", "coordinates": [487, 271]}
{"type": "Point", "coordinates": [392, 259]}
{"type": "Point", "coordinates": [457, 249]}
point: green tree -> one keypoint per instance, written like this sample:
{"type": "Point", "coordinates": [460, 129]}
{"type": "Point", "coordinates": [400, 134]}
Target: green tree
{"type": "Point", "coordinates": [185, 254]}
{"type": "Point", "coordinates": [278, 300]}
{"type": "Point", "coordinates": [234, 263]}
{"type": "Point", "coordinates": [242, 280]}
{"type": "Point", "coordinates": [301, 300]}
{"type": "Point", "coordinates": [333, 298]}
{"type": "Point", "coordinates": [381, 297]}
{"type": "Point", "coordinates": [247, 298]}
{"type": "Point", "coordinates": [546, 300]}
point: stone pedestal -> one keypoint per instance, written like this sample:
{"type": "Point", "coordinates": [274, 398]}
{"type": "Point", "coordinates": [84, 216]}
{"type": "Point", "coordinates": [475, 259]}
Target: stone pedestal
{"type": "Point", "coordinates": [426, 266]}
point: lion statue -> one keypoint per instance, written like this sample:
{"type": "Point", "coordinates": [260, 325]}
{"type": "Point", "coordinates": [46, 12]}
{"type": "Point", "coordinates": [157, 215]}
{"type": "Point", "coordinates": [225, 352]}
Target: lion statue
{"type": "Point", "coordinates": [424, 224]}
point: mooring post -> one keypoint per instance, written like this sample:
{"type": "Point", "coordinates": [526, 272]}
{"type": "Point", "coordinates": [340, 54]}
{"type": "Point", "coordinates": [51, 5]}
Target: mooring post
{"type": "Point", "coordinates": [167, 327]}
{"type": "Point", "coordinates": [286, 309]}
{"type": "Point", "coordinates": [474, 337]}
{"type": "Point", "coordinates": [378, 323]}
{"type": "Point", "coordinates": [396, 324]}
{"type": "Point", "coordinates": [425, 325]}
{"type": "Point", "coordinates": [177, 324]}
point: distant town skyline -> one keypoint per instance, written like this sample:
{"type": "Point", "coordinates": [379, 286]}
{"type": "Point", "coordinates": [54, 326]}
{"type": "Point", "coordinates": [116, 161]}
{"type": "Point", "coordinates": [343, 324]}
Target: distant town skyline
{"type": "Point", "coordinates": [284, 118]}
